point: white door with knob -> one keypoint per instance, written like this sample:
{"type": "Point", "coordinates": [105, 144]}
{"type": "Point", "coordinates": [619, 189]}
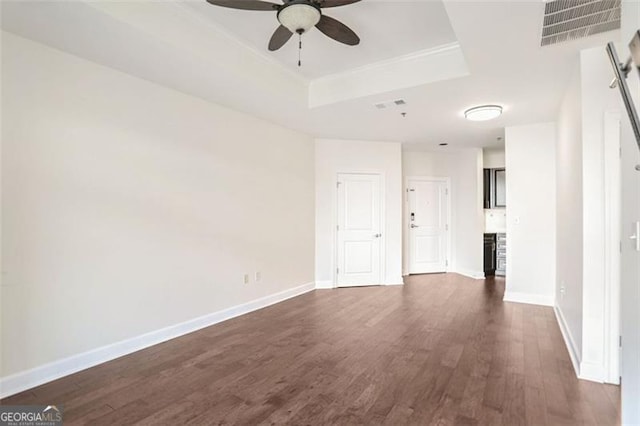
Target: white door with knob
{"type": "Point", "coordinates": [359, 230]}
{"type": "Point", "coordinates": [428, 224]}
{"type": "Point", "coordinates": [630, 264]}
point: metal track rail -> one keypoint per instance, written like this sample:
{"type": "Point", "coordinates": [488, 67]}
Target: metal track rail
{"type": "Point", "coordinates": [621, 71]}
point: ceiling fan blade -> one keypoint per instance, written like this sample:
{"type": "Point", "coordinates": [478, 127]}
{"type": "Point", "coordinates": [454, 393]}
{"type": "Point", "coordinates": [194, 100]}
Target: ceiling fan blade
{"type": "Point", "coordinates": [245, 4]}
{"type": "Point", "coordinates": [337, 31]}
{"type": "Point", "coordinates": [335, 3]}
{"type": "Point", "coordinates": [279, 38]}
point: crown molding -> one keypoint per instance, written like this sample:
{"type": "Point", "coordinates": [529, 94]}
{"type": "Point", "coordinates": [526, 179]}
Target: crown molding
{"type": "Point", "coordinates": [409, 57]}
{"type": "Point", "coordinates": [415, 69]}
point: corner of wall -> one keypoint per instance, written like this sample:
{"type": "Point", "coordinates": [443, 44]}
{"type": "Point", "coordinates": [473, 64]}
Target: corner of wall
{"type": "Point", "coordinates": [528, 298]}
{"type": "Point", "coordinates": [591, 372]}
{"type": "Point", "coordinates": [324, 285]}
{"type": "Point", "coordinates": [476, 275]}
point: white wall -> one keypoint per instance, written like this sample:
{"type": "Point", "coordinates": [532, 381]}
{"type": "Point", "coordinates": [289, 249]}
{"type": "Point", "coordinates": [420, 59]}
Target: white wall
{"type": "Point", "coordinates": [531, 222]}
{"type": "Point", "coordinates": [495, 221]}
{"type": "Point", "coordinates": [597, 98]}
{"type": "Point", "coordinates": [493, 158]}
{"type": "Point", "coordinates": [569, 214]}
{"type": "Point", "coordinates": [464, 168]}
{"type": "Point", "coordinates": [341, 156]}
{"type": "Point", "coordinates": [584, 288]}
{"type": "Point", "coordinates": [128, 207]}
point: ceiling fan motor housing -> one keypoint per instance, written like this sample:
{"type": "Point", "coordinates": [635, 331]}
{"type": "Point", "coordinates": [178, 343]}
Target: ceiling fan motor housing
{"type": "Point", "coordinates": [299, 16]}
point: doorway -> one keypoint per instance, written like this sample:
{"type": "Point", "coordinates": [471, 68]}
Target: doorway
{"type": "Point", "coordinates": [359, 230]}
{"type": "Point", "coordinates": [429, 219]}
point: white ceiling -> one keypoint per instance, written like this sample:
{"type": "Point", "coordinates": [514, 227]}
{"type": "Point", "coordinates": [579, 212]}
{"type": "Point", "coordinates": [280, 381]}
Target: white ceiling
{"type": "Point", "coordinates": [222, 58]}
{"type": "Point", "coordinates": [387, 29]}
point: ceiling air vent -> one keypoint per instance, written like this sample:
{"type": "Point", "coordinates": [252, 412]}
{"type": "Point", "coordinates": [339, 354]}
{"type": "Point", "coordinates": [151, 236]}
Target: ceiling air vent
{"type": "Point", "coordinates": [566, 20]}
{"type": "Point", "coordinates": [389, 104]}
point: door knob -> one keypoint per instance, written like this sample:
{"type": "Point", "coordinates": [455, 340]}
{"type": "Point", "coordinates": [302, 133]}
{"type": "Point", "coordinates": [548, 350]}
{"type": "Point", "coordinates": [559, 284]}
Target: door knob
{"type": "Point", "coordinates": [377, 236]}
{"type": "Point", "coordinates": [414, 226]}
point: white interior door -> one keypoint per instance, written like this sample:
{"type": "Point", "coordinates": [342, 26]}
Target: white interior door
{"type": "Point", "coordinates": [428, 225]}
{"type": "Point", "coordinates": [359, 230]}
{"type": "Point", "coordinates": [630, 271]}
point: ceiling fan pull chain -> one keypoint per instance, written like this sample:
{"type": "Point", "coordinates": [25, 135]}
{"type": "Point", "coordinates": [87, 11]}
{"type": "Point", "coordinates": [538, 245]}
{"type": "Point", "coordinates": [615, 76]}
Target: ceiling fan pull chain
{"type": "Point", "coordinates": [299, 49]}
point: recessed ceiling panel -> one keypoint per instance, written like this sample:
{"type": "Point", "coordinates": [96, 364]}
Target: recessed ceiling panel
{"type": "Point", "coordinates": [193, 47]}
{"type": "Point", "coordinates": [387, 29]}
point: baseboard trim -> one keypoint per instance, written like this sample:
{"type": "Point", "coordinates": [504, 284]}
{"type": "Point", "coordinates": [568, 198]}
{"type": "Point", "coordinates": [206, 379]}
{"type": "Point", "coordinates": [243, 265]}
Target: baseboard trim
{"type": "Point", "coordinates": [568, 340]}
{"type": "Point", "coordinates": [584, 370]}
{"type": "Point", "coordinates": [476, 275]}
{"type": "Point", "coordinates": [396, 281]}
{"type": "Point", "coordinates": [327, 285]}
{"type": "Point", "coordinates": [530, 299]}
{"type": "Point", "coordinates": [324, 285]}
{"type": "Point", "coordinates": [592, 372]}
{"type": "Point", "coordinates": [15, 383]}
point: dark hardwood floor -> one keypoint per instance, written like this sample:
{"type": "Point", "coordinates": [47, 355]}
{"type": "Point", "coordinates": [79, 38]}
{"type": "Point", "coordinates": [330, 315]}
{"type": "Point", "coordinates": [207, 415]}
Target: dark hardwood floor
{"type": "Point", "coordinates": [443, 349]}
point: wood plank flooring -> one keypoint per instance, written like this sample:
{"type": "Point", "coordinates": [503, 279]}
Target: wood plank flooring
{"type": "Point", "coordinates": [443, 349]}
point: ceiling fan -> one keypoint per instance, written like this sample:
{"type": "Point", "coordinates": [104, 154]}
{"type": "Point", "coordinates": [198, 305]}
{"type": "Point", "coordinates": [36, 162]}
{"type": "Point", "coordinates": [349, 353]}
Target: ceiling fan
{"type": "Point", "coordinates": [299, 16]}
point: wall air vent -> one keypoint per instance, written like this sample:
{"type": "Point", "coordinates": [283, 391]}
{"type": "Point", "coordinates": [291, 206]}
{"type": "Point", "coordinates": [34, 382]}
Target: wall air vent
{"type": "Point", "coordinates": [566, 20]}
{"type": "Point", "coordinates": [381, 106]}
{"type": "Point", "coordinates": [400, 102]}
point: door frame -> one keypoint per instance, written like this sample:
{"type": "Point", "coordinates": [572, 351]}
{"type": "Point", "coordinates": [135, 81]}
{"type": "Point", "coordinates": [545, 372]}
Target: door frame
{"type": "Point", "coordinates": [383, 222]}
{"type": "Point", "coordinates": [613, 225]}
{"type": "Point", "coordinates": [407, 219]}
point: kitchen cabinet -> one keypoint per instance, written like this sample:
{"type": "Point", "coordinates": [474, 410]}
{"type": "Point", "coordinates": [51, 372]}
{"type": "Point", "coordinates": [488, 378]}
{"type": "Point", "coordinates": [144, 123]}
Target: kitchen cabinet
{"type": "Point", "coordinates": [495, 254]}
{"type": "Point", "coordinates": [495, 188]}
{"type": "Point", "coordinates": [489, 254]}
{"type": "Point", "coordinates": [486, 174]}
{"type": "Point", "coordinates": [501, 254]}
{"type": "Point", "coordinates": [500, 188]}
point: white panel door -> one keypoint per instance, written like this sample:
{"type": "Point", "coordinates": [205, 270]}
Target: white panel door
{"type": "Point", "coordinates": [630, 271]}
{"type": "Point", "coordinates": [359, 230]}
{"type": "Point", "coordinates": [428, 227]}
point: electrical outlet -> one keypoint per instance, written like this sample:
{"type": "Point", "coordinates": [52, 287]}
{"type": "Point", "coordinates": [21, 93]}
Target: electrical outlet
{"type": "Point", "coordinates": [258, 276]}
{"type": "Point", "coordinates": [246, 278]}
{"type": "Point", "coordinates": [563, 290]}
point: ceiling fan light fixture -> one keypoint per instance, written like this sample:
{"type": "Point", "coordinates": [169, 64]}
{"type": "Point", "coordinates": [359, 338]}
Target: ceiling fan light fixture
{"type": "Point", "coordinates": [299, 18]}
{"type": "Point", "coordinates": [483, 113]}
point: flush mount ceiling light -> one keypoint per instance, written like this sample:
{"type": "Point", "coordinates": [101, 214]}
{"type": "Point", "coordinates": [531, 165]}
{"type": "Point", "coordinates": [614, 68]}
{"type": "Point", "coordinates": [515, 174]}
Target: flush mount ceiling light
{"type": "Point", "coordinates": [483, 113]}
{"type": "Point", "coordinates": [299, 18]}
